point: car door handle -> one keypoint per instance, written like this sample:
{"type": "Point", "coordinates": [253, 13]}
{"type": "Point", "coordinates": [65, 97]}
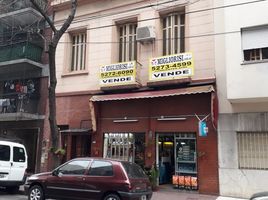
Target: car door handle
{"type": "Point", "coordinates": [11, 164]}
{"type": "Point", "coordinates": [83, 178]}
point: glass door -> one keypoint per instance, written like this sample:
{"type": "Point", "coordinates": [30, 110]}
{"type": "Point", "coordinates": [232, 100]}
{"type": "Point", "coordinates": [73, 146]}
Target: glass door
{"type": "Point", "coordinates": [186, 162]}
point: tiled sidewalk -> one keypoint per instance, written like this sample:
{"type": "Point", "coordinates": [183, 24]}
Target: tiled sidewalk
{"type": "Point", "coordinates": [168, 193]}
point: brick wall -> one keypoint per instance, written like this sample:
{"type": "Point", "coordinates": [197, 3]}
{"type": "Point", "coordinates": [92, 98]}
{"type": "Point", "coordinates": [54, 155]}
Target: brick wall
{"type": "Point", "coordinates": [146, 111]}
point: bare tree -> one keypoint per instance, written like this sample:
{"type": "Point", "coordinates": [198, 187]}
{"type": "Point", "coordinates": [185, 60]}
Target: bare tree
{"type": "Point", "coordinates": [52, 45]}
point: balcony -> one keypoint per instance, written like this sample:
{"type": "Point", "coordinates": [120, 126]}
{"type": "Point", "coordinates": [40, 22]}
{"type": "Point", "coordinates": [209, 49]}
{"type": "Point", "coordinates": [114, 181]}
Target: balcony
{"type": "Point", "coordinates": [20, 100]}
{"type": "Point", "coordinates": [21, 50]}
{"type": "Point", "coordinates": [19, 108]}
{"type": "Point", "coordinates": [20, 13]}
{"type": "Point", "coordinates": [20, 57]}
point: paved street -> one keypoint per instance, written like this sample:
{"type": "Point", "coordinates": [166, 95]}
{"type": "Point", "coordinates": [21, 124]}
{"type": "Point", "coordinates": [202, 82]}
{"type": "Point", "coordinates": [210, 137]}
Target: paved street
{"type": "Point", "coordinates": [5, 196]}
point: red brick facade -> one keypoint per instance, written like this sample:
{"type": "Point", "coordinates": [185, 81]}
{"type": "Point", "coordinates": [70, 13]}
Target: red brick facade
{"type": "Point", "coordinates": [146, 111]}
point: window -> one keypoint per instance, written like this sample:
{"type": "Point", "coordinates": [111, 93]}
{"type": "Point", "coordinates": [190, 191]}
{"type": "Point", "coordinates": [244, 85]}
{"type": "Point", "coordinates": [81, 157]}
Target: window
{"type": "Point", "coordinates": [119, 146]}
{"type": "Point", "coordinates": [133, 170]}
{"type": "Point", "coordinates": [173, 34]}
{"type": "Point", "coordinates": [101, 168]}
{"type": "Point", "coordinates": [77, 167]}
{"type": "Point", "coordinates": [255, 47]}
{"type": "Point", "coordinates": [19, 154]}
{"type": "Point", "coordinates": [127, 42]}
{"type": "Point", "coordinates": [4, 153]}
{"type": "Point", "coordinates": [256, 54]}
{"type": "Point", "coordinates": [253, 150]}
{"type": "Point", "coordinates": [125, 146]}
{"type": "Point", "coordinates": [79, 42]}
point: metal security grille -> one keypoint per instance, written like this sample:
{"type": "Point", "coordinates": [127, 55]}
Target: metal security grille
{"type": "Point", "coordinates": [127, 42]}
{"type": "Point", "coordinates": [173, 34]}
{"type": "Point", "coordinates": [253, 150]}
{"type": "Point", "coordinates": [119, 146]}
{"type": "Point", "coordinates": [78, 51]}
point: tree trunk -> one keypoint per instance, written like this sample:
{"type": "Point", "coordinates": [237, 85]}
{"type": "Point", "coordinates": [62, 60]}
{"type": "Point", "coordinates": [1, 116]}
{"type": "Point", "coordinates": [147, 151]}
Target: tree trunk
{"type": "Point", "coordinates": [52, 105]}
{"type": "Point", "coordinates": [52, 73]}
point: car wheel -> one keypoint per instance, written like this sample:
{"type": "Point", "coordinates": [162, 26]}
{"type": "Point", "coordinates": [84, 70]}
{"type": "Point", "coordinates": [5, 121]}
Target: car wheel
{"type": "Point", "coordinates": [112, 197]}
{"type": "Point", "coordinates": [36, 193]}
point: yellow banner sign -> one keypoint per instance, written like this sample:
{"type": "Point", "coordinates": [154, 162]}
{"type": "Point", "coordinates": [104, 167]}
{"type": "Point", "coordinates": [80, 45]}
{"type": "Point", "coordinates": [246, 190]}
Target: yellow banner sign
{"type": "Point", "coordinates": [171, 67]}
{"type": "Point", "coordinates": [118, 74]}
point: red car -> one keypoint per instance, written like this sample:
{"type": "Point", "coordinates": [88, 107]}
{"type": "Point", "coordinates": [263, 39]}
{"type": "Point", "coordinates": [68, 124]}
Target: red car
{"type": "Point", "coordinates": [91, 178]}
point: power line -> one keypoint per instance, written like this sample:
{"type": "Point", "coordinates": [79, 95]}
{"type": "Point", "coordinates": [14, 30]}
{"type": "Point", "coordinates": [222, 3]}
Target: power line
{"type": "Point", "coordinates": [129, 10]}
{"type": "Point", "coordinates": [186, 37]}
{"type": "Point", "coordinates": [190, 12]}
{"type": "Point", "coordinates": [154, 18]}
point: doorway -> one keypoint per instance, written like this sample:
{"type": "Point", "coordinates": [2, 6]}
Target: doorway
{"type": "Point", "coordinates": [176, 160]}
{"type": "Point", "coordinates": [80, 146]}
{"type": "Point", "coordinates": [166, 158]}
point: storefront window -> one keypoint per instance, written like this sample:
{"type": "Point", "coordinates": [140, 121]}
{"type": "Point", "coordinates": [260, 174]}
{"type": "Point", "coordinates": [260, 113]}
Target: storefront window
{"type": "Point", "coordinates": [124, 146]}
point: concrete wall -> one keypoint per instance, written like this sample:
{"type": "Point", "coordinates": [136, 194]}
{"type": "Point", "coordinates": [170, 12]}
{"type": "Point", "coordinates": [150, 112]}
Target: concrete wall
{"type": "Point", "coordinates": [102, 47]}
{"type": "Point", "coordinates": [241, 88]}
{"type": "Point", "coordinates": [242, 94]}
{"type": "Point", "coordinates": [234, 181]}
{"type": "Point", "coordinates": [232, 77]}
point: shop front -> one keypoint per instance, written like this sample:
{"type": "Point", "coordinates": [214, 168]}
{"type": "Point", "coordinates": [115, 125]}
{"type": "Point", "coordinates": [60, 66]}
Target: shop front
{"type": "Point", "coordinates": [161, 128]}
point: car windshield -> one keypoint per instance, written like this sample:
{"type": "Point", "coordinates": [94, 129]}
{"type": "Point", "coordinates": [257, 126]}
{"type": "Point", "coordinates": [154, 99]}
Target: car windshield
{"type": "Point", "coordinates": [133, 170]}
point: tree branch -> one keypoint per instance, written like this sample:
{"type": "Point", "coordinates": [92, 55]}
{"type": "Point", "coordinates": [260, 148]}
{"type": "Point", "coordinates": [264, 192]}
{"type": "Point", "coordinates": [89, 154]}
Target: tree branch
{"type": "Point", "coordinates": [42, 12]}
{"type": "Point", "coordinates": [67, 22]}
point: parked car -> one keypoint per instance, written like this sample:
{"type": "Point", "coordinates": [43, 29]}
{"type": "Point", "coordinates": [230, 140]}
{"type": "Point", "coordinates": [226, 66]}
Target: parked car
{"type": "Point", "coordinates": [13, 165]}
{"type": "Point", "coordinates": [91, 178]}
{"type": "Point", "coordinates": [260, 196]}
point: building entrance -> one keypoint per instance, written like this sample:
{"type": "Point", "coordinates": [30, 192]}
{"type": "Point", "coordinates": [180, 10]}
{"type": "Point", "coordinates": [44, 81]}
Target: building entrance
{"type": "Point", "coordinates": [176, 160]}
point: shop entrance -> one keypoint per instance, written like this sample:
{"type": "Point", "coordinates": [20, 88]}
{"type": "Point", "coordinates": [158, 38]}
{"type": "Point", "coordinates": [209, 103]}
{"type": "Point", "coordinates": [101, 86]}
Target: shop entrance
{"type": "Point", "coordinates": [166, 158]}
{"type": "Point", "coordinates": [176, 160]}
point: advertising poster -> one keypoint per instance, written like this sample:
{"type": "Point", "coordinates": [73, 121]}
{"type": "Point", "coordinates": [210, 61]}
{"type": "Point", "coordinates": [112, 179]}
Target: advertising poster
{"type": "Point", "coordinates": [171, 67]}
{"type": "Point", "coordinates": [118, 74]}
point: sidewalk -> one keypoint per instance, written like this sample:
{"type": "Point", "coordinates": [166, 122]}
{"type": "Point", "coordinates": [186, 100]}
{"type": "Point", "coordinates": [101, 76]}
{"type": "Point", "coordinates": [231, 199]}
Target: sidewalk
{"type": "Point", "coordinates": [164, 195]}
{"type": "Point", "coordinates": [173, 194]}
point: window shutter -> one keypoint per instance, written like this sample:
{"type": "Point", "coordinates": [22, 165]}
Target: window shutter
{"type": "Point", "coordinates": [255, 38]}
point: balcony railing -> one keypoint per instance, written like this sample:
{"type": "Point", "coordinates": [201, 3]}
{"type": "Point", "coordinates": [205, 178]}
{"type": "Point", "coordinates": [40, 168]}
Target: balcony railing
{"type": "Point", "coordinates": [22, 50]}
{"type": "Point", "coordinates": [7, 6]}
{"type": "Point", "coordinates": [15, 103]}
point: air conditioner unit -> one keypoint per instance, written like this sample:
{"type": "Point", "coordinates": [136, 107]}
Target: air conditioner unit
{"type": "Point", "coordinates": [145, 34]}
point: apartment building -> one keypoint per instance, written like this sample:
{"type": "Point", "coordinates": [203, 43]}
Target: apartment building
{"type": "Point", "coordinates": [241, 66]}
{"type": "Point", "coordinates": [23, 78]}
{"type": "Point", "coordinates": [136, 81]}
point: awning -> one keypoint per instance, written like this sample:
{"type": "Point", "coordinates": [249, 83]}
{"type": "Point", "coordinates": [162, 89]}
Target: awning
{"type": "Point", "coordinates": [154, 94]}
{"type": "Point", "coordinates": [76, 130]}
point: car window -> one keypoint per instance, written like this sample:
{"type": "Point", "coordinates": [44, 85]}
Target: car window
{"type": "Point", "coordinates": [4, 153]}
{"type": "Point", "coordinates": [101, 168]}
{"type": "Point", "coordinates": [133, 170]}
{"type": "Point", "coordinates": [18, 154]}
{"type": "Point", "coordinates": [76, 167]}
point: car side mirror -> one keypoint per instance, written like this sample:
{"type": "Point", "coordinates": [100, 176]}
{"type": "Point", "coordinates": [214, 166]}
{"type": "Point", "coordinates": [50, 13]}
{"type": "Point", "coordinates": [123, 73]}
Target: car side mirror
{"type": "Point", "coordinates": [55, 173]}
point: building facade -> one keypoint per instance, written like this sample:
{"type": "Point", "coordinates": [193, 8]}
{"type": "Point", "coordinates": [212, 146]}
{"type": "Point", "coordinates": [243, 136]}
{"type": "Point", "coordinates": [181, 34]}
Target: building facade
{"type": "Point", "coordinates": [241, 68]}
{"type": "Point", "coordinates": [23, 78]}
{"type": "Point", "coordinates": [136, 81]}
